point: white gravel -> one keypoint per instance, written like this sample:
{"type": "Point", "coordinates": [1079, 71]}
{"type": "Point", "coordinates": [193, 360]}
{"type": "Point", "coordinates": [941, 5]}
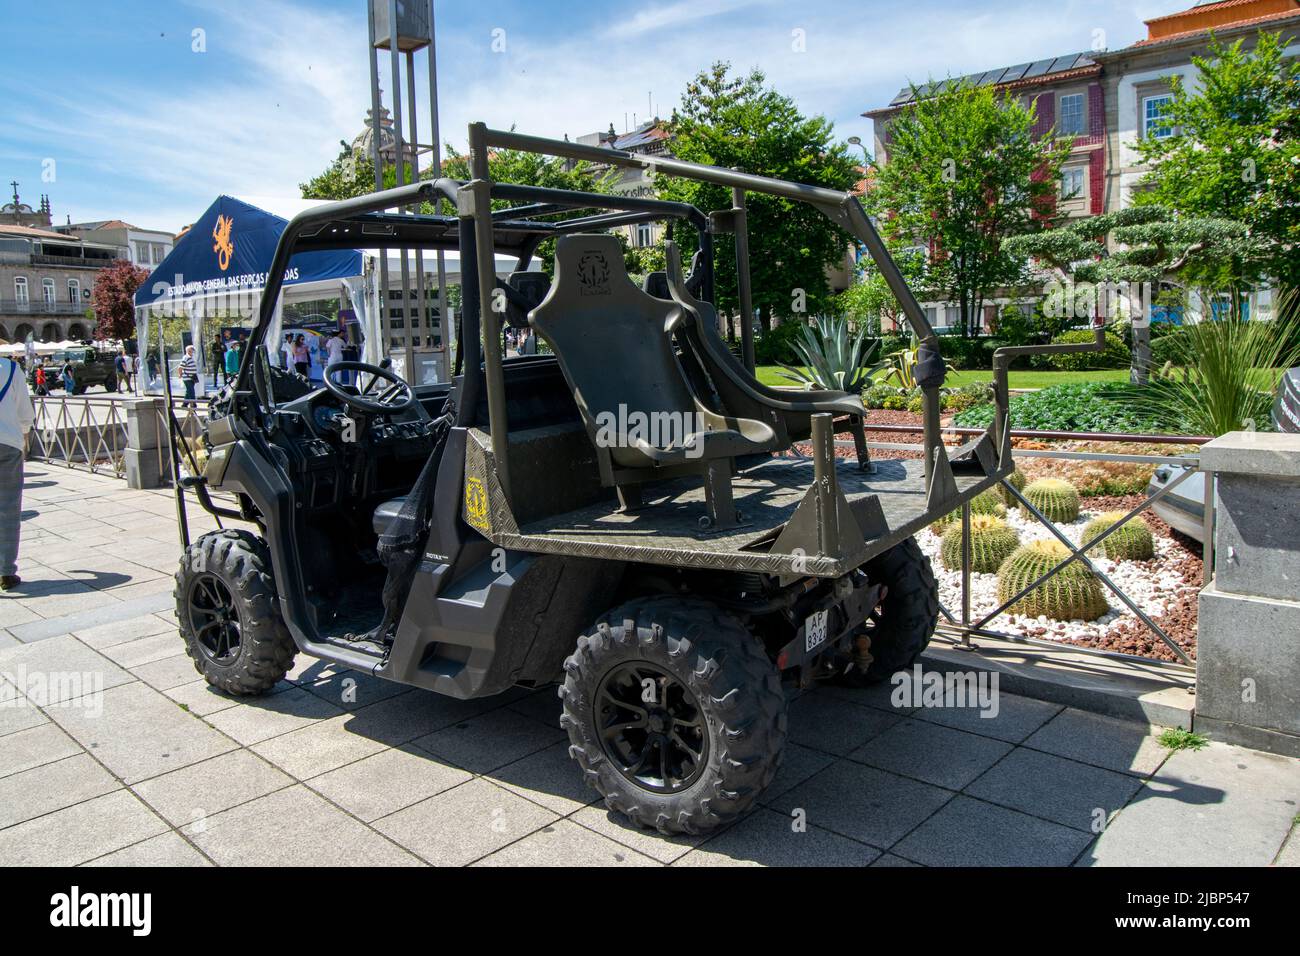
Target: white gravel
{"type": "Point", "coordinates": [1149, 584]}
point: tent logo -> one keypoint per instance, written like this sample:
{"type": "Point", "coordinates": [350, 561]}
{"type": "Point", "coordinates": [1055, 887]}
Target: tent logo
{"type": "Point", "coordinates": [223, 246]}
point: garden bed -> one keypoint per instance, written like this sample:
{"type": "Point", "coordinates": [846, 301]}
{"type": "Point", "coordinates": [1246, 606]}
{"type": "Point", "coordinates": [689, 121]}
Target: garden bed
{"type": "Point", "coordinates": [1165, 587]}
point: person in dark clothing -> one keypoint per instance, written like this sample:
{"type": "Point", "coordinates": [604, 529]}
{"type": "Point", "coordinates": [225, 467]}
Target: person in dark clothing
{"type": "Point", "coordinates": [218, 358]}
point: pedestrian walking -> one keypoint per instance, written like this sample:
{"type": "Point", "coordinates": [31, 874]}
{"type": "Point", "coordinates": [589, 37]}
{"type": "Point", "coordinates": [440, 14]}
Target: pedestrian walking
{"type": "Point", "coordinates": [69, 383]}
{"type": "Point", "coordinates": [123, 365]}
{"type": "Point", "coordinates": [302, 356]}
{"type": "Point", "coordinates": [333, 352]}
{"type": "Point", "coordinates": [16, 419]}
{"type": "Point", "coordinates": [189, 372]}
{"type": "Point", "coordinates": [286, 352]}
{"type": "Point", "coordinates": [38, 380]}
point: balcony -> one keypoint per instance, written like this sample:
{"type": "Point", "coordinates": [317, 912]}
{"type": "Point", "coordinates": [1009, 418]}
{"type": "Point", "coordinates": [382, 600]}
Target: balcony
{"type": "Point", "coordinates": [15, 307]}
{"type": "Point", "coordinates": [38, 259]}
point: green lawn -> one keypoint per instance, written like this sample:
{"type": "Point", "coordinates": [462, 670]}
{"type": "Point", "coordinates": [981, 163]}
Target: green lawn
{"type": "Point", "coordinates": [1026, 378]}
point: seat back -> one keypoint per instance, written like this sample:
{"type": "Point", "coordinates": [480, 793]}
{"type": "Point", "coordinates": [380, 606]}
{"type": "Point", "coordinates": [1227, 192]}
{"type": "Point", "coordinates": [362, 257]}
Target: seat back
{"type": "Point", "coordinates": [527, 290]}
{"type": "Point", "coordinates": [610, 338]}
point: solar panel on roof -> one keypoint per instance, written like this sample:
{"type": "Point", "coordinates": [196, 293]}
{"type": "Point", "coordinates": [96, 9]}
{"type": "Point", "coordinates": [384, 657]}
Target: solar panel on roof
{"type": "Point", "coordinates": [1038, 68]}
{"type": "Point", "coordinates": [1014, 73]}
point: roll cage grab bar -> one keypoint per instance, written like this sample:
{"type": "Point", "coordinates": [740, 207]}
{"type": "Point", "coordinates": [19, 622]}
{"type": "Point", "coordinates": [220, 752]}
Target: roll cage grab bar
{"type": "Point", "coordinates": [362, 223]}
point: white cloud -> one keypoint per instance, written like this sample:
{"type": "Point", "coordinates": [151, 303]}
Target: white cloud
{"type": "Point", "coordinates": [296, 82]}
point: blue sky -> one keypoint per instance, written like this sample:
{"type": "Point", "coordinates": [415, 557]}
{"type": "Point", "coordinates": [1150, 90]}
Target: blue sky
{"type": "Point", "coordinates": [142, 128]}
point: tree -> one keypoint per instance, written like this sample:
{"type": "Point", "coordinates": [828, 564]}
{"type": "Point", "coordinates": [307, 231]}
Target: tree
{"type": "Point", "coordinates": [1151, 248]}
{"type": "Point", "coordinates": [113, 298]}
{"type": "Point", "coordinates": [965, 171]}
{"type": "Point", "coordinates": [1235, 152]}
{"type": "Point", "coordinates": [869, 299]}
{"type": "Point", "coordinates": [345, 178]}
{"type": "Point", "coordinates": [739, 121]}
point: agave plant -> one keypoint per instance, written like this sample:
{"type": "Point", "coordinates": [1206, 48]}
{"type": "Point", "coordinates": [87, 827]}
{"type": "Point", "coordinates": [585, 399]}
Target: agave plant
{"type": "Point", "coordinates": [833, 357]}
{"type": "Point", "coordinates": [1224, 372]}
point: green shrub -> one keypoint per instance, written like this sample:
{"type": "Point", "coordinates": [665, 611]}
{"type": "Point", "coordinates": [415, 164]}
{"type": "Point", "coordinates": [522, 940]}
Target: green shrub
{"type": "Point", "coordinates": [1074, 407]}
{"type": "Point", "coordinates": [777, 346]}
{"type": "Point", "coordinates": [1131, 542]}
{"type": "Point", "coordinates": [1056, 499]}
{"type": "Point", "coordinates": [1074, 593]}
{"type": "Point", "coordinates": [972, 353]}
{"type": "Point", "coordinates": [895, 403]}
{"type": "Point", "coordinates": [1116, 354]}
{"type": "Point", "coordinates": [875, 395]}
{"type": "Point", "coordinates": [991, 543]}
{"type": "Point", "coordinates": [985, 503]}
{"type": "Point", "coordinates": [916, 403]}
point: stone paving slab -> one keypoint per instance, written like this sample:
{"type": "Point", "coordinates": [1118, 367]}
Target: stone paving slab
{"type": "Point", "coordinates": [153, 767]}
{"type": "Point", "coordinates": [1220, 806]}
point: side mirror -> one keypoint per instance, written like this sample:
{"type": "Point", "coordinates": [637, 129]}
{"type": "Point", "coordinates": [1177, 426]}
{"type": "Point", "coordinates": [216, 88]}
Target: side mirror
{"type": "Point", "coordinates": [262, 379]}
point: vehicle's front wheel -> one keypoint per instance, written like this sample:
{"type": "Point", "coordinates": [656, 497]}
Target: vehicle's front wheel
{"type": "Point", "coordinates": [229, 614]}
{"type": "Point", "coordinates": [110, 385]}
{"type": "Point", "coordinates": [675, 713]}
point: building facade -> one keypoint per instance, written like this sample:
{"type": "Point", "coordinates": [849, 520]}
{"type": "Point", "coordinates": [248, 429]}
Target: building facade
{"type": "Point", "coordinates": [1069, 100]}
{"type": "Point", "coordinates": [1138, 80]}
{"type": "Point", "coordinates": [1108, 101]}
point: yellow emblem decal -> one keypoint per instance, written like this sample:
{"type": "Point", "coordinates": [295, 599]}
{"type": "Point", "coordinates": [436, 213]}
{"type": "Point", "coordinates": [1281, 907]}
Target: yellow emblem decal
{"type": "Point", "coordinates": [223, 245]}
{"type": "Point", "coordinates": [476, 504]}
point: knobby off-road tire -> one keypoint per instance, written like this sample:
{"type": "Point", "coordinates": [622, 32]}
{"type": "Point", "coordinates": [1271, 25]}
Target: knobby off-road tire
{"type": "Point", "coordinates": [725, 672]}
{"type": "Point", "coordinates": [233, 567]}
{"type": "Point", "coordinates": [908, 614]}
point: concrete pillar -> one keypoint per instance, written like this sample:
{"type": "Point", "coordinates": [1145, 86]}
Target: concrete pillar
{"type": "Point", "coordinates": [146, 442]}
{"type": "Point", "coordinates": [1248, 636]}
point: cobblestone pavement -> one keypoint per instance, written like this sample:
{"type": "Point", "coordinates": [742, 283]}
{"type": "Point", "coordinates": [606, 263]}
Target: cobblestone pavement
{"type": "Point", "coordinates": [113, 751]}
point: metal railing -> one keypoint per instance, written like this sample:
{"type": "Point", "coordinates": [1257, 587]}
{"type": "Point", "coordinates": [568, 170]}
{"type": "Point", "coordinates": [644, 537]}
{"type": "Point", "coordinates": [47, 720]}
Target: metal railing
{"type": "Point", "coordinates": [90, 433]}
{"type": "Point", "coordinates": [960, 625]}
{"type": "Point", "coordinates": [41, 307]}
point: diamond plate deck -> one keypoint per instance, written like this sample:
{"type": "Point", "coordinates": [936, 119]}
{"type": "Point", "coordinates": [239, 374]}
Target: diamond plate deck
{"type": "Point", "coordinates": [665, 530]}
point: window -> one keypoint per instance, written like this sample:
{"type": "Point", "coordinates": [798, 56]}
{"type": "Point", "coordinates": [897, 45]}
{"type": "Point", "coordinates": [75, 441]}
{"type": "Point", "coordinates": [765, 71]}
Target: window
{"type": "Point", "coordinates": [47, 290]}
{"type": "Point", "coordinates": [159, 253]}
{"type": "Point", "coordinates": [74, 291]}
{"type": "Point", "coordinates": [644, 235]}
{"type": "Point", "coordinates": [20, 290]}
{"type": "Point", "coordinates": [1071, 116]}
{"type": "Point", "coordinates": [1153, 111]}
{"type": "Point", "coordinates": [1072, 182]}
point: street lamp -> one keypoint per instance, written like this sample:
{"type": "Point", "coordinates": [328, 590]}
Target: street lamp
{"type": "Point", "coordinates": [857, 141]}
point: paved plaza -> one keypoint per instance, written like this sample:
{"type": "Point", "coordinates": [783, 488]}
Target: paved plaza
{"type": "Point", "coordinates": [113, 751]}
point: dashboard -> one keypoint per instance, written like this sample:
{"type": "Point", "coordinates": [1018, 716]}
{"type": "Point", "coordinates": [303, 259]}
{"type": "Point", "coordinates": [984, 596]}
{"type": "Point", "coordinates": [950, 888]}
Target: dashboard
{"type": "Point", "coordinates": [338, 455]}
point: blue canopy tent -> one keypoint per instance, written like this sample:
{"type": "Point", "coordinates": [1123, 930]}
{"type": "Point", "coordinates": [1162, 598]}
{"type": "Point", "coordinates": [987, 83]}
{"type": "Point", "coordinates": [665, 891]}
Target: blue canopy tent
{"type": "Point", "coordinates": [218, 269]}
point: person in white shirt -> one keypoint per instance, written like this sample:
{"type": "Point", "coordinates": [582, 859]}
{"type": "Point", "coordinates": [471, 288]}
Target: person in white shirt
{"type": "Point", "coordinates": [16, 419]}
{"type": "Point", "coordinates": [333, 351]}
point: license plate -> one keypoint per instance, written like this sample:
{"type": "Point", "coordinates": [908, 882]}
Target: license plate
{"type": "Point", "coordinates": [814, 629]}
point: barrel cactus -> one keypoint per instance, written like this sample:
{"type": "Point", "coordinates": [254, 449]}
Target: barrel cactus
{"type": "Point", "coordinates": [1055, 498]}
{"type": "Point", "coordinates": [1073, 593]}
{"type": "Point", "coordinates": [985, 503]}
{"type": "Point", "coordinates": [1131, 541]}
{"type": "Point", "coordinates": [1017, 481]}
{"type": "Point", "coordinates": [991, 541]}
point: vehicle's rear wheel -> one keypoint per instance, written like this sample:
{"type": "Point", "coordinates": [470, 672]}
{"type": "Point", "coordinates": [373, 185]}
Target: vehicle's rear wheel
{"type": "Point", "coordinates": [229, 614]}
{"type": "Point", "coordinates": [903, 625]}
{"type": "Point", "coordinates": [675, 714]}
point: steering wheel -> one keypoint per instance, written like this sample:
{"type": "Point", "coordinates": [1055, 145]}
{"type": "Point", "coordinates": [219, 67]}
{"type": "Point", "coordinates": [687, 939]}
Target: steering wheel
{"type": "Point", "coordinates": [396, 396]}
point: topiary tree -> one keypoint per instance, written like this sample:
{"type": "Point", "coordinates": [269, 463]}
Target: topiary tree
{"type": "Point", "coordinates": [1017, 480]}
{"type": "Point", "coordinates": [985, 503]}
{"type": "Point", "coordinates": [991, 542]}
{"type": "Point", "coordinates": [1056, 498]}
{"type": "Point", "coordinates": [1130, 542]}
{"type": "Point", "coordinates": [1072, 594]}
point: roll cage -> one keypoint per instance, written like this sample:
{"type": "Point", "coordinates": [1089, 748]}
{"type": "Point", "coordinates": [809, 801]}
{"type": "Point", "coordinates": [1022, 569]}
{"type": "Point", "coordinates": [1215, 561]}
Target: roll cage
{"type": "Point", "coordinates": [480, 232]}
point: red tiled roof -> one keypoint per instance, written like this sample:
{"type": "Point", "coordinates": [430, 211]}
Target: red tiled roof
{"type": "Point", "coordinates": [1267, 18]}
